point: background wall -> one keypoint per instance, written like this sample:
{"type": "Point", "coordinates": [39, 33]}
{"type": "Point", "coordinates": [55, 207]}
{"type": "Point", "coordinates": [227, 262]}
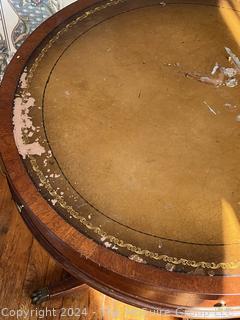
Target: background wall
{"type": "Point", "coordinates": [18, 18]}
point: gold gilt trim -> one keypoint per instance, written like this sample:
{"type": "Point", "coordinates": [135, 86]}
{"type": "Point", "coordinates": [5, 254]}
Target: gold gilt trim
{"type": "Point", "coordinates": [97, 230]}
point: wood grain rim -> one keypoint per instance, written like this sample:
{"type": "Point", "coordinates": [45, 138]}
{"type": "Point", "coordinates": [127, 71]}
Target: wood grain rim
{"type": "Point", "coordinates": [138, 284]}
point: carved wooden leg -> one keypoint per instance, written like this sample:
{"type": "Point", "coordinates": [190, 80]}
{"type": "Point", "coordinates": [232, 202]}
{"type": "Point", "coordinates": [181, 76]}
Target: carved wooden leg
{"type": "Point", "coordinates": [66, 286]}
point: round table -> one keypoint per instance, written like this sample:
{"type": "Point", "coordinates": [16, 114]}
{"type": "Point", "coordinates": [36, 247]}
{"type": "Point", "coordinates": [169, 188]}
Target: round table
{"type": "Point", "coordinates": [119, 131]}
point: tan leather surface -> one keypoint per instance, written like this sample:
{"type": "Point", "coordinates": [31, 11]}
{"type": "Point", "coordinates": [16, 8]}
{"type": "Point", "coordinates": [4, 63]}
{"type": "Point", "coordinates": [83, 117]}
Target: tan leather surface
{"type": "Point", "coordinates": [135, 135]}
{"type": "Point", "coordinates": [150, 148]}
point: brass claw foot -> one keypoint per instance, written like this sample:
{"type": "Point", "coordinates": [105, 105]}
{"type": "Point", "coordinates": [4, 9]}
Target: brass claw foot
{"type": "Point", "coordinates": [40, 296]}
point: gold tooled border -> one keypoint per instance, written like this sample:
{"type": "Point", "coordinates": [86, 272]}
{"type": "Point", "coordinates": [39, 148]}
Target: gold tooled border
{"type": "Point", "coordinates": [97, 230]}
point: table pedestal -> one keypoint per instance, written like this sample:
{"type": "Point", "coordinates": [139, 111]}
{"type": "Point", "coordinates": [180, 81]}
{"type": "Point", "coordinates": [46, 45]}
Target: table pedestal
{"type": "Point", "coordinates": [67, 286]}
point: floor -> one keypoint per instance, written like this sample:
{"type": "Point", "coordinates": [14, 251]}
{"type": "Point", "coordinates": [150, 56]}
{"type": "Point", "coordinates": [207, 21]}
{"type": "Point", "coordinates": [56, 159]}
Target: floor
{"type": "Point", "coordinates": [25, 266]}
